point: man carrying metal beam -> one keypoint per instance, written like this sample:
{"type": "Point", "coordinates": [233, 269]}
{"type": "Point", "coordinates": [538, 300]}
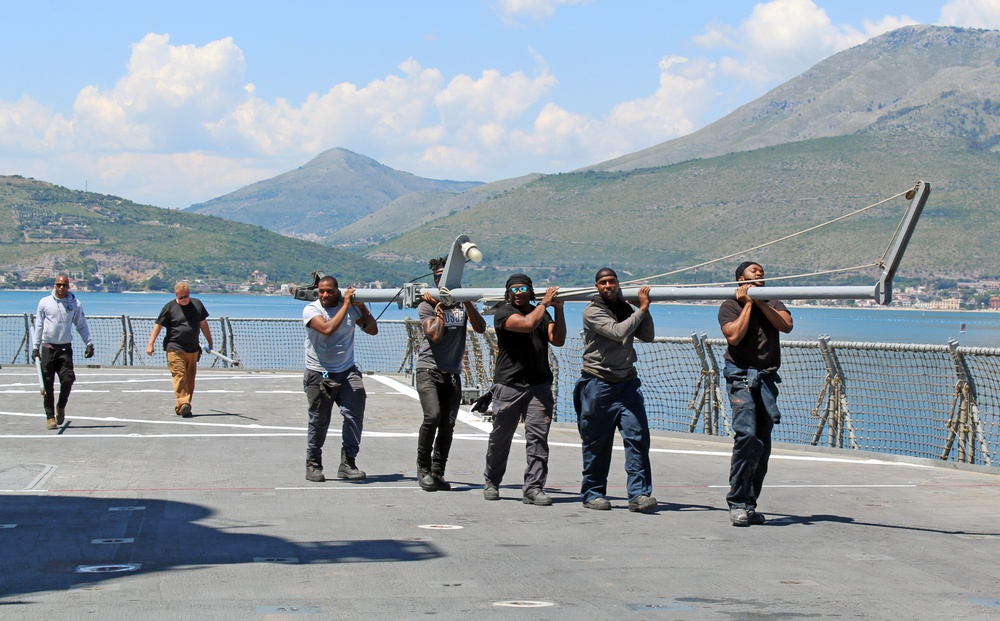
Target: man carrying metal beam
{"type": "Point", "coordinates": [439, 378]}
{"type": "Point", "coordinates": [522, 385]}
{"type": "Point", "coordinates": [331, 376]}
{"type": "Point", "coordinates": [608, 396]}
{"type": "Point", "coordinates": [751, 327]}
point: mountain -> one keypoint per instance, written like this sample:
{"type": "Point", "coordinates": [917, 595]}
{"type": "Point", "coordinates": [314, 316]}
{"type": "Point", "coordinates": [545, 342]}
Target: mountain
{"type": "Point", "coordinates": [413, 210]}
{"type": "Point", "coordinates": [334, 189]}
{"type": "Point", "coordinates": [43, 225]}
{"type": "Point", "coordinates": [939, 81]}
{"type": "Point", "coordinates": [918, 103]}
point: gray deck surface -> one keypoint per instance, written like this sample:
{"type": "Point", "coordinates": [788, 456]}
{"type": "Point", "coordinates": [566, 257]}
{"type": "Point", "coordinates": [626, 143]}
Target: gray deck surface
{"type": "Point", "coordinates": [211, 518]}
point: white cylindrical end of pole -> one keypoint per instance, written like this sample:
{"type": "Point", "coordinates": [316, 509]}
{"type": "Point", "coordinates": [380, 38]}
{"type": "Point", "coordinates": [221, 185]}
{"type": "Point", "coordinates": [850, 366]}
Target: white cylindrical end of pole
{"type": "Point", "coordinates": [472, 252]}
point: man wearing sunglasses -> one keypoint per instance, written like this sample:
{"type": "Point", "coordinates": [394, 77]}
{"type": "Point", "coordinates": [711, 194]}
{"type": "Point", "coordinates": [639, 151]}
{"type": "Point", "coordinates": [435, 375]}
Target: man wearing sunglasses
{"type": "Point", "coordinates": [522, 385]}
{"type": "Point", "coordinates": [55, 318]}
{"type": "Point", "coordinates": [183, 318]}
{"type": "Point", "coordinates": [439, 378]}
{"type": "Point", "coordinates": [607, 396]}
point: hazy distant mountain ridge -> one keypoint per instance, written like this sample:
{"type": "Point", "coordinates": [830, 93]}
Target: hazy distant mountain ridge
{"type": "Point", "coordinates": [413, 210]}
{"type": "Point", "coordinates": [919, 78]}
{"type": "Point", "coordinates": [331, 191]}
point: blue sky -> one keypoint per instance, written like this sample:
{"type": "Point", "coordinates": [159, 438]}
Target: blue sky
{"type": "Point", "coordinates": [176, 103]}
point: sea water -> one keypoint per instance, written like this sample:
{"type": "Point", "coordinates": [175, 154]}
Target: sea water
{"type": "Point", "coordinates": [887, 325]}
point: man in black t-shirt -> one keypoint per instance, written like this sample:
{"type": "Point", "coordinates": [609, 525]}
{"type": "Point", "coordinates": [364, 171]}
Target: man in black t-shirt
{"type": "Point", "coordinates": [751, 327]}
{"type": "Point", "coordinates": [183, 318]}
{"type": "Point", "coordinates": [522, 385]}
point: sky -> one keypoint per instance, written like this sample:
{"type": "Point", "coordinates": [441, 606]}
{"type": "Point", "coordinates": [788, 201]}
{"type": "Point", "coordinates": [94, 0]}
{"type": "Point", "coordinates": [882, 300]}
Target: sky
{"type": "Point", "coordinates": [175, 103]}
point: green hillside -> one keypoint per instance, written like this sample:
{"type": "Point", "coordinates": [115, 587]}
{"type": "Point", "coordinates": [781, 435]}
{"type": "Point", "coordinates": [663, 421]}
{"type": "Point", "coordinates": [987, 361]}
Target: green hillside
{"type": "Point", "coordinates": [46, 225]}
{"type": "Point", "coordinates": [655, 220]}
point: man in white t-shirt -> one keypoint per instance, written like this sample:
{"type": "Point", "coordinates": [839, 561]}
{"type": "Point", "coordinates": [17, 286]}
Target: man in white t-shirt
{"type": "Point", "coordinates": [331, 376]}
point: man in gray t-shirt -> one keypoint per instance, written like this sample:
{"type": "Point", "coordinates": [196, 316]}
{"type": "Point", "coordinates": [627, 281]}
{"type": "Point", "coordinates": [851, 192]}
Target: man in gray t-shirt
{"type": "Point", "coordinates": [439, 379]}
{"type": "Point", "coordinates": [331, 376]}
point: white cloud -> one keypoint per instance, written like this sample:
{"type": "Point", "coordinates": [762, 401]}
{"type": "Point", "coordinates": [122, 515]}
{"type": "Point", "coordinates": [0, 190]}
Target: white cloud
{"type": "Point", "coordinates": [971, 14]}
{"type": "Point", "coordinates": [564, 139]}
{"type": "Point", "coordinates": [26, 126]}
{"type": "Point", "coordinates": [166, 98]}
{"type": "Point", "coordinates": [538, 10]}
{"type": "Point", "coordinates": [181, 125]}
{"type": "Point", "coordinates": [782, 38]}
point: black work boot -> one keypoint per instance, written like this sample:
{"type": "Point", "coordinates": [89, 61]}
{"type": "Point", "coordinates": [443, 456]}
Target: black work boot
{"type": "Point", "coordinates": [425, 480]}
{"type": "Point", "coordinates": [348, 469]}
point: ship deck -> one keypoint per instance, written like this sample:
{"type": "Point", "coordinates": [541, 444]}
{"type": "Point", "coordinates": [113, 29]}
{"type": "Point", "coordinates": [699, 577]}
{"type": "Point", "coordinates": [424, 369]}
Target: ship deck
{"type": "Point", "coordinates": [128, 511]}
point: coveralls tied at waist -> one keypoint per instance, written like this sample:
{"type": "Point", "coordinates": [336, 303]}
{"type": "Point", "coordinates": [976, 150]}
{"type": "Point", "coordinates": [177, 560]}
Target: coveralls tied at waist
{"type": "Point", "coordinates": [765, 380]}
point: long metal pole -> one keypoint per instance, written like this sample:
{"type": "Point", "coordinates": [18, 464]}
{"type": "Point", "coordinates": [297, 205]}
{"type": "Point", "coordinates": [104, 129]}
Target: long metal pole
{"type": "Point", "coordinates": [656, 294]}
{"type": "Point", "coordinates": [881, 291]}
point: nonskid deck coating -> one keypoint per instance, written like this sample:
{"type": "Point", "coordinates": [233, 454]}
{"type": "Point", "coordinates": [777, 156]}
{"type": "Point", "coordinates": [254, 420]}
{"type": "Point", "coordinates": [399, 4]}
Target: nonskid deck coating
{"type": "Point", "coordinates": [129, 511]}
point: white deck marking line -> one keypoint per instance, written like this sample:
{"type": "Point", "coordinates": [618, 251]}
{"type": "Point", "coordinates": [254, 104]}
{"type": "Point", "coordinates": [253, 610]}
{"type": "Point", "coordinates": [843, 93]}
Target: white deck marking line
{"type": "Point", "coordinates": [162, 378]}
{"type": "Point", "coordinates": [368, 487]}
{"type": "Point", "coordinates": [345, 488]}
{"type": "Point", "coordinates": [475, 421]}
{"type": "Point", "coordinates": [137, 436]}
{"type": "Point", "coordinates": [833, 486]}
{"type": "Point", "coordinates": [177, 421]}
{"type": "Point", "coordinates": [465, 416]}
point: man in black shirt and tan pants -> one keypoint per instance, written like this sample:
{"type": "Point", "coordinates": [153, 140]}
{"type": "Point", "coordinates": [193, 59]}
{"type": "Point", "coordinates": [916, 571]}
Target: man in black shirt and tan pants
{"type": "Point", "coordinates": [183, 318]}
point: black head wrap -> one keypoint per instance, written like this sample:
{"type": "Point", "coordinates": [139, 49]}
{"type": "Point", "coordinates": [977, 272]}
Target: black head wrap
{"type": "Point", "coordinates": [743, 267]}
{"type": "Point", "coordinates": [519, 279]}
{"type": "Point", "coordinates": [605, 271]}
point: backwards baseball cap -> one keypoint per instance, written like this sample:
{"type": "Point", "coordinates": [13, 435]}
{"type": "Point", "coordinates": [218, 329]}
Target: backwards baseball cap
{"type": "Point", "coordinates": [519, 279]}
{"type": "Point", "coordinates": [743, 267]}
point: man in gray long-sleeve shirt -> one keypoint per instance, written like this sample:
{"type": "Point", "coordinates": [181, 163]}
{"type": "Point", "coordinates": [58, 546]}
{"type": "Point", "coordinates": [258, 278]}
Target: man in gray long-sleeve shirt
{"type": "Point", "coordinates": [55, 318]}
{"type": "Point", "coordinates": [608, 396]}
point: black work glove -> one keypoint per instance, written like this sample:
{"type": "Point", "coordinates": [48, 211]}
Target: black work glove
{"type": "Point", "coordinates": [34, 355]}
{"type": "Point", "coordinates": [482, 404]}
{"type": "Point", "coordinates": [89, 352]}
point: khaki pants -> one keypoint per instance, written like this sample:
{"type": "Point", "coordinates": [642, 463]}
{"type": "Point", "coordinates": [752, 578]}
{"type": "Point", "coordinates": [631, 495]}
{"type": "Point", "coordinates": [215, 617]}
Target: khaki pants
{"type": "Point", "coordinates": [183, 366]}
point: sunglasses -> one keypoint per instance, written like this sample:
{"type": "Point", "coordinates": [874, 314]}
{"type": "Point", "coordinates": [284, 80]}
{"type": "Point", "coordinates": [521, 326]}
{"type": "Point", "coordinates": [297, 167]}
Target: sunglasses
{"type": "Point", "coordinates": [183, 297]}
{"type": "Point", "coordinates": [59, 284]}
{"type": "Point", "coordinates": [519, 289]}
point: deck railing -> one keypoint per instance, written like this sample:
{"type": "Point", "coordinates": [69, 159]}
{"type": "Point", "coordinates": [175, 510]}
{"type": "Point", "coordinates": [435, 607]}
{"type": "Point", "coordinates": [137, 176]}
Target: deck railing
{"type": "Point", "coordinates": [925, 401]}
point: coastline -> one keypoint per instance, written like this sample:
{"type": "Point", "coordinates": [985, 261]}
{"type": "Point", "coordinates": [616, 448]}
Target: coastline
{"type": "Point", "coordinates": [686, 304]}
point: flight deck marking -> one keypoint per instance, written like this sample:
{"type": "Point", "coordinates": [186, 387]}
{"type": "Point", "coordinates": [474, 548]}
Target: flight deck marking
{"type": "Point", "coordinates": [463, 415]}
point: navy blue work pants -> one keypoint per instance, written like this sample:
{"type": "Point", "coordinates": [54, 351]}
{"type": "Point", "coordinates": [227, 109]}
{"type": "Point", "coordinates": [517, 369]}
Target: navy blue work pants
{"type": "Point", "coordinates": [603, 407]}
{"type": "Point", "coordinates": [751, 425]}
